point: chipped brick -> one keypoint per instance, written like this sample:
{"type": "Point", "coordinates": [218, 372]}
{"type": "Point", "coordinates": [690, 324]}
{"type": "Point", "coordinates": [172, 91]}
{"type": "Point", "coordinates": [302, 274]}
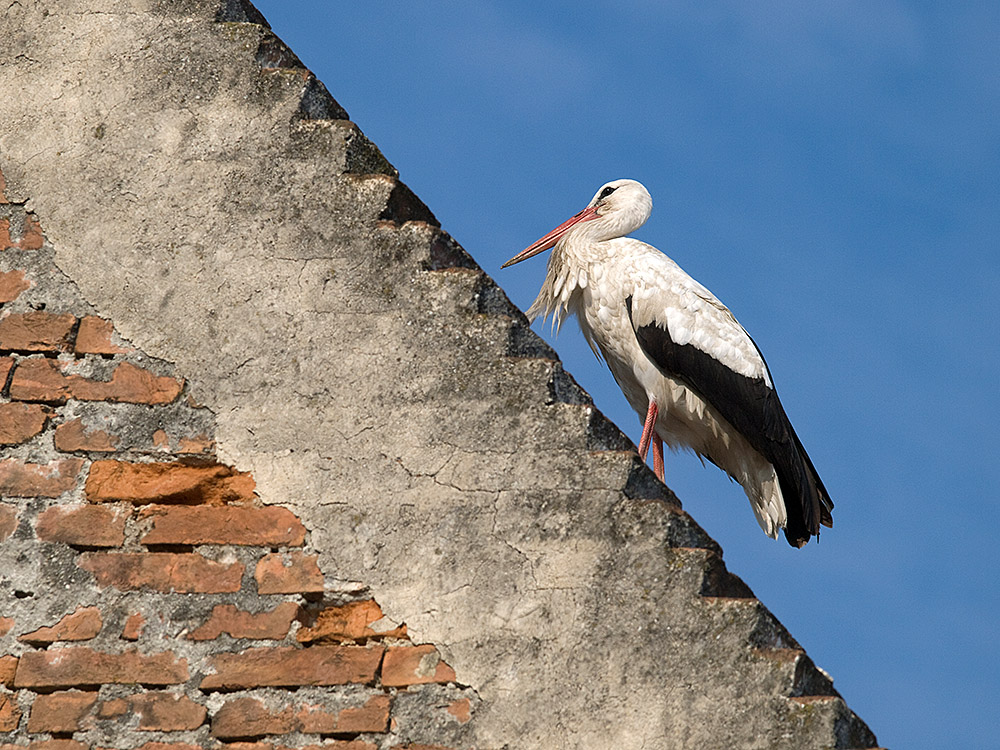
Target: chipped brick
{"type": "Point", "coordinates": [414, 665]}
{"type": "Point", "coordinates": [133, 626]}
{"type": "Point", "coordinates": [184, 573]}
{"type": "Point", "coordinates": [166, 712]}
{"type": "Point", "coordinates": [94, 337]}
{"type": "Point", "coordinates": [20, 479]}
{"type": "Point", "coordinates": [82, 525]}
{"type": "Point", "coordinates": [167, 483]}
{"type": "Point", "coordinates": [44, 380]}
{"type": "Point", "coordinates": [10, 712]}
{"type": "Point", "coordinates": [73, 667]}
{"type": "Point", "coordinates": [250, 717]}
{"type": "Point", "coordinates": [12, 283]}
{"type": "Point", "coordinates": [8, 666]}
{"type": "Point", "coordinates": [36, 331]}
{"type": "Point", "coordinates": [287, 667]}
{"type": "Point", "coordinates": [6, 364]}
{"type": "Point", "coordinates": [348, 622]}
{"type": "Point", "coordinates": [288, 573]}
{"type": "Point", "coordinates": [60, 712]}
{"type": "Point", "coordinates": [73, 436]}
{"type": "Point", "coordinates": [6, 623]}
{"type": "Point", "coordinates": [21, 422]}
{"type": "Point", "coordinates": [461, 710]}
{"type": "Point", "coordinates": [82, 625]}
{"type": "Point", "coordinates": [270, 526]}
{"type": "Point", "coordinates": [8, 525]}
{"type": "Point", "coordinates": [226, 618]}
{"type": "Point", "coordinates": [32, 238]}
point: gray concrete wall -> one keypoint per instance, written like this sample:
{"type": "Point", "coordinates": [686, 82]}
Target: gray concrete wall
{"type": "Point", "coordinates": [380, 385]}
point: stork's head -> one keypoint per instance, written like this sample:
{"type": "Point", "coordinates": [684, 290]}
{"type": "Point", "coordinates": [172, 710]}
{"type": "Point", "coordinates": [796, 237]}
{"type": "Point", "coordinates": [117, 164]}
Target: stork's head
{"type": "Point", "coordinates": [618, 208]}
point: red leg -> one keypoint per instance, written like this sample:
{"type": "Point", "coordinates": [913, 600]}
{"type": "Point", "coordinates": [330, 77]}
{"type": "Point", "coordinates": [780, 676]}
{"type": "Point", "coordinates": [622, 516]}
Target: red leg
{"type": "Point", "coordinates": [648, 429]}
{"type": "Point", "coordinates": [658, 457]}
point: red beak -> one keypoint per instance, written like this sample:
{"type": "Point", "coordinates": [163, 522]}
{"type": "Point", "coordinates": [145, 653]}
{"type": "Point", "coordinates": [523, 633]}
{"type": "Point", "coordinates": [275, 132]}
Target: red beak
{"type": "Point", "coordinates": [553, 237]}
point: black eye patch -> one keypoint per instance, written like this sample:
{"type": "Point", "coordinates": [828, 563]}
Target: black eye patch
{"type": "Point", "coordinates": [606, 192]}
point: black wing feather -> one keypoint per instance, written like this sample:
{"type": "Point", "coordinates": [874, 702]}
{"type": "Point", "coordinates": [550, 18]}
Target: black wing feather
{"type": "Point", "coordinates": [753, 409]}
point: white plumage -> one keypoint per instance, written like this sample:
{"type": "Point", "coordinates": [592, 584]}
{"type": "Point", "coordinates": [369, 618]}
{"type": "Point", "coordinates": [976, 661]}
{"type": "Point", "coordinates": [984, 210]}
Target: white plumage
{"type": "Point", "coordinates": [679, 356]}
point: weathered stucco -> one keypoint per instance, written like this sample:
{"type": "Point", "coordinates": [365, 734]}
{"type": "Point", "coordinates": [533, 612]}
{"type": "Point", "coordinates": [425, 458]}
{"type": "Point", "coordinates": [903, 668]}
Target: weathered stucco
{"type": "Point", "coordinates": [380, 385]}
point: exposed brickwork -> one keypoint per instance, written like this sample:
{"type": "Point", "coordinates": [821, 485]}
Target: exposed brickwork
{"type": "Point", "coordinates": [95, 337]}
{"type": "Point", "coordinates": [74, 667]}
{"type": "Point", "coordinates": [321, 665]}
{"type": "Point", "coordinates": [183, 572]}
{"type": "Point", "coordinates": [350, 622]}
{"type": "Point", "coordinates": [291, 573]}
{"type": "Point", "coordinates": [153, 541]}
{"type": "Point", "coordinates": [82, 525]}
{"type": "Point", "coordinates": [36, 332]}
{"type": "Point", "coordinates": [60, 712]}
{"type": "Point", "coordinates": [275, 527]}
{"type": "Point", "coordinates": [24, 479]}
{"type": "Point", "coordinates": [414, 665]}
{"type": "Point", "coordinates": [12, 283]}
{"type": "Point", "coordinates": [109, 481]}
{"type": "Point", "coordinates": [40, 379]}
{"type": "Point", "coordinates": [21, 422]}
{"type": "Point", "coordinates": [74, 436]}
{"type": "Point", "coordinates": [81, 625]}
{"type": "Point", "coordinates": [8, 523]}
{"type": "Point", "coordinates": [226, 618]}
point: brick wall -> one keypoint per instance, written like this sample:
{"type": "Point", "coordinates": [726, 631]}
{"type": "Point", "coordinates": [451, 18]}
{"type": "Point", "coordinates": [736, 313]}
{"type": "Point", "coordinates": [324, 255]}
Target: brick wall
{"type": "Point", "coordinates": [149, 599]}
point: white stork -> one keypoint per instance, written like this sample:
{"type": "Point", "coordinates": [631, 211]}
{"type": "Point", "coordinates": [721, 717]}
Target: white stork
{"type": "Point", "coordinates": [680, 358]}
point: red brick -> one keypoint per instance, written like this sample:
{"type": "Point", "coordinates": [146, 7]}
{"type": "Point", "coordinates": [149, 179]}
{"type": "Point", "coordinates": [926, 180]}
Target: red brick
{"type": "Point", "coordinates": [5, 239]}
{"type": "Point", "coordinates": [12, 283]}
{"type": "Point", "coordinates": [82, 525]}
{"type": "Point", "coordinates": [420, 746]}
{"type": "Point", "coordinates": [167, 483]}
{"type": "Point", "coordinates": [8, 523]}
{"type": "Point", "coordinates": [10, 713]}
{"type": "Point", "coordinates": [60, 712]}
{"type": "Point", "coordinates": [320, 665]}
{"type": "Point", "coordinates": [200, 443]}
{"type": "Point", "coordinates": [82, 625]}
{"type": "Point", "coordinates": [226, 618]}
{"type": "Point", "coordinates": [183, 573]}
{"type": "Point", "coordinates": [94, 337]}
{"type": "Point", "coordinates": [3, 189]}
{"type": "Point", "coordinates": [6, 623]}
{"type": "Point", "coordinates": [19, 479]}
{"type": "Point", "coordinates": [288, 573]}
{"type": "Point", "coordinates": [250, 717]}
{"type": "Point", "coordinates": [21, 422]}
{"type": "Point", "coordinates": [339, 745]}
{"type": "Point", "coordinates": [461, 710]}
{"type": "Point", "coordinates": [36, 331]}
{"type": "Point", "coordinates": [168, 746]}
{"type": "Point", "coordinates": [32, 238]}
{"type": "Point", "coordinates": [258, 527]}
{"type": "Point", "coordinates": [166, 712]}
{"type": "Point", "coordinates": [247, 746]}
{"type": "Point", "coordinates": [6, 363]}
{"type": "Point", "coordinates": [48, 745]}
{"type": "Point", "coordinates": [373, 716]}
{"type": "Point", "coordinates": [73, 436]}
{"type": "Point", "coordinates": [72, 667]}
{"type": "Point", "coordinates": [414, 665]}
{"type": "Point", "coordinates": [348, 622]}
{"type": "Point", "coordinates": [8, 667]}
{"type": "Point", "coordinates": [133, 626]}
{"type": "Point", "coordinates": [44, 380]}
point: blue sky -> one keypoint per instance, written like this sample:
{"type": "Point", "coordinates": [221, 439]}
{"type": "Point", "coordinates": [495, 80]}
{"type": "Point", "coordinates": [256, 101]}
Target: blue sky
{"type": "Point", "coordinates": [832, 173]}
